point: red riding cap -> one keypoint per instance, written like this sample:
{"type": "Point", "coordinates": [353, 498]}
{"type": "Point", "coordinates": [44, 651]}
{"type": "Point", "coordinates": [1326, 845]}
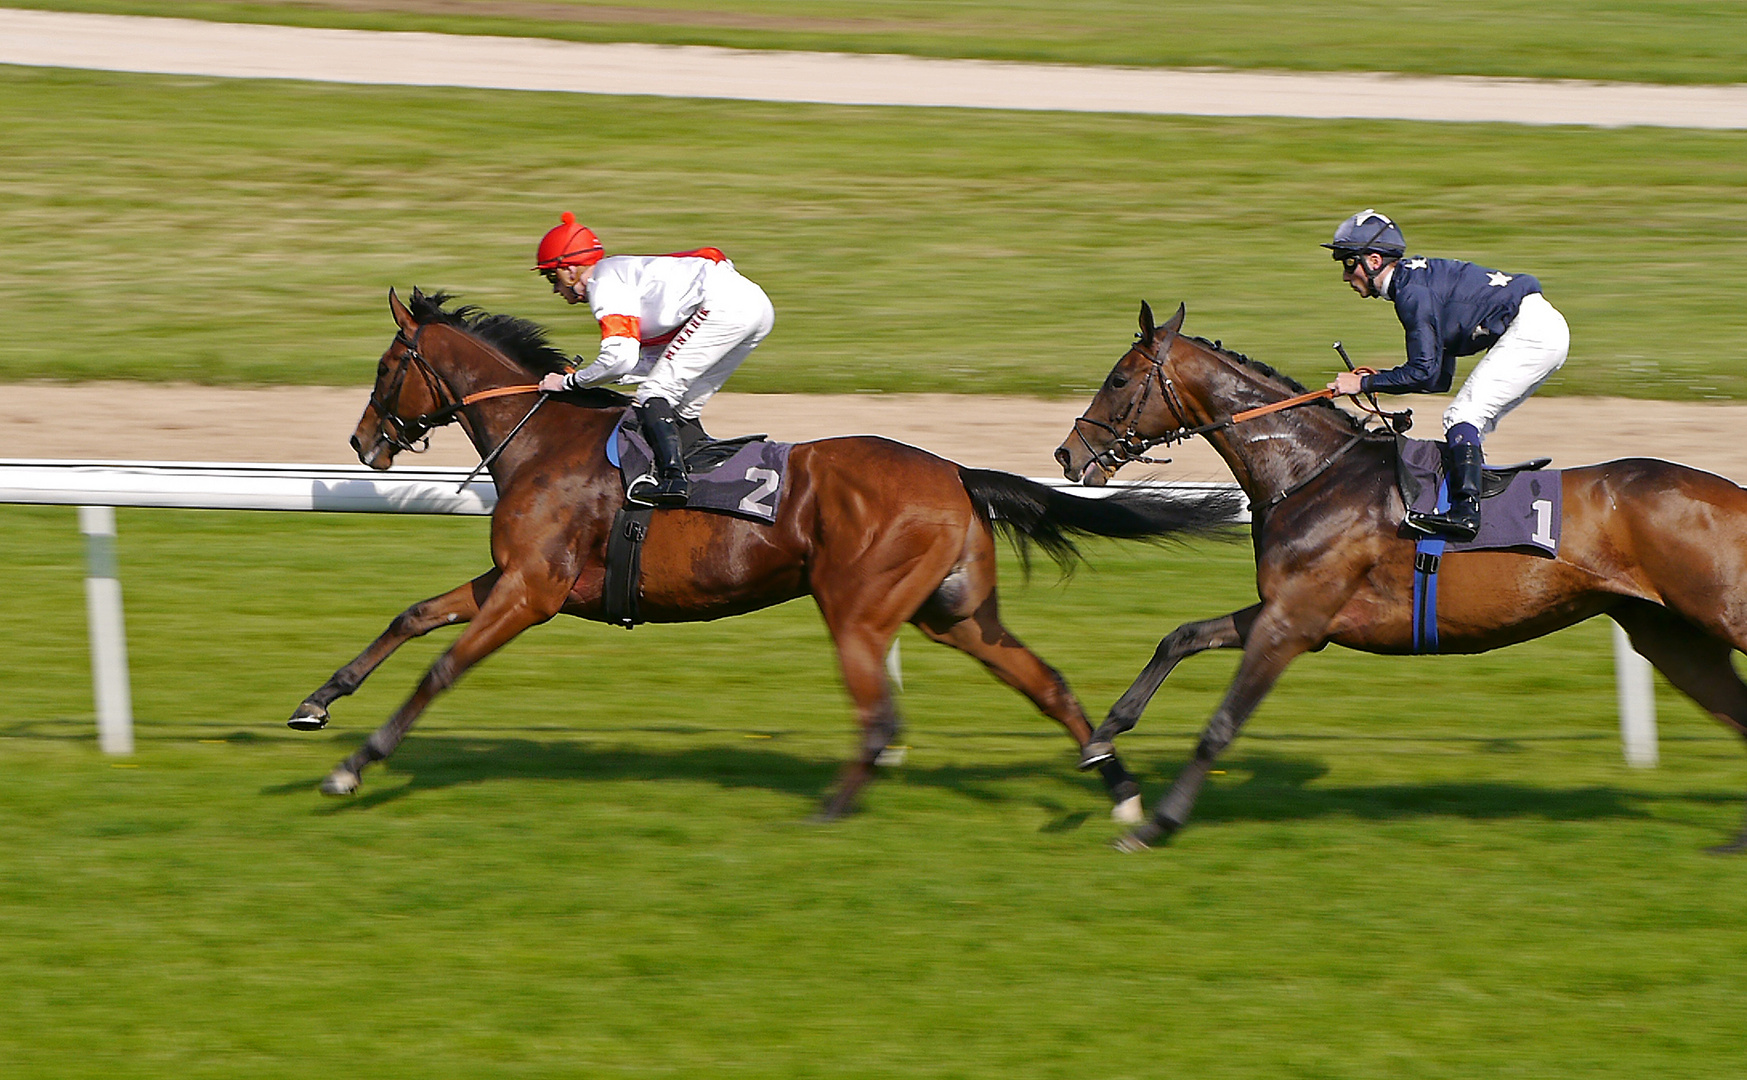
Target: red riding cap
{"type": "Point", "coordinates": [569, 244]}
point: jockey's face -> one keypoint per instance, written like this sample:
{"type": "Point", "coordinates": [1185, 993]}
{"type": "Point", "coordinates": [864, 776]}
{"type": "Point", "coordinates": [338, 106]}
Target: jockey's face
{"type": "Point", "coordinates": [570, 282]}
{"type": "Point", "coordinates": [1360, 272]}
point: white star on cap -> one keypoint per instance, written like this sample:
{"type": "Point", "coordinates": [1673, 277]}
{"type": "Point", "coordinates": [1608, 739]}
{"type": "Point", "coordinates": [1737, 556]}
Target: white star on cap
{"type": "Point", "coordinates": [1497, 280]}
{"type": "Point", "coordinates": [1418, 262]}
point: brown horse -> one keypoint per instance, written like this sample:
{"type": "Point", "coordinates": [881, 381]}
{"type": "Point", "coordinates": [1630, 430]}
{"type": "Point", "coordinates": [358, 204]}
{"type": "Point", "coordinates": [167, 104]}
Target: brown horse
{"type": "Point", "coordinates": [879, 533]}
{"type": "Point", "coordinates": [1659, 547]}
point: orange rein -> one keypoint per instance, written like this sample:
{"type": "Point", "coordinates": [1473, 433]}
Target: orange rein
{"type": "Point", "coordinates": [502, 391]}
{"type": "Point", "coordinates": [1301, 399]}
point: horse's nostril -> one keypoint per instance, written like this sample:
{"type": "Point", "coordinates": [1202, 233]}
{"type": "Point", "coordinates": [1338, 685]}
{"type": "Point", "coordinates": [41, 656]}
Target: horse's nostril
{"type": "Point", "coordinates": [1062, 456]}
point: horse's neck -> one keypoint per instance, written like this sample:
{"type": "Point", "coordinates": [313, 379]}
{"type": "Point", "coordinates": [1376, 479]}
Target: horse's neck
{"type": "Point", "coordinates": [468, 367]}
{"type": "Point", "coordinates": [1269, 454]}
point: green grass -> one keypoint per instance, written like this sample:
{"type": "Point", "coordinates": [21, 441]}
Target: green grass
{"type": "Point", "coordinates": [1585, 39]}
{"type": "Point", "coordinates": [237, 232]}
{"type": "Point", "coordinates": [589, 859]}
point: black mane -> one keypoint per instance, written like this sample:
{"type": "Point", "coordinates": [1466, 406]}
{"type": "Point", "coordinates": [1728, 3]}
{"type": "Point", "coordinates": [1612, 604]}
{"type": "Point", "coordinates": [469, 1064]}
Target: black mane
{"type": "Point", "coordinates": [521, 340]}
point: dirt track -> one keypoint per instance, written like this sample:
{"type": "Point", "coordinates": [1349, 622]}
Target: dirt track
{"type": "Point", "coordinates": [312, 425]}
{"type": "Point", "coordinates": [176, 46]}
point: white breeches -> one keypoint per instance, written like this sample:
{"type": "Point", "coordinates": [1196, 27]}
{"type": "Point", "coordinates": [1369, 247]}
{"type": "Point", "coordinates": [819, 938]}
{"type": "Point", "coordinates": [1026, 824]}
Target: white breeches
{"type": "Point", "coordinates": [735, 317]}
{"type": "Point", "coordinates": [1530, 349]}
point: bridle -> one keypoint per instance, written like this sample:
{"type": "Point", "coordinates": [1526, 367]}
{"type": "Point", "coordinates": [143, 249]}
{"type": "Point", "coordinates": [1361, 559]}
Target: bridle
{"type": "Point", "coordinates": [1130, 445]}
{"type": "Point", "coordinates": [414, 435]}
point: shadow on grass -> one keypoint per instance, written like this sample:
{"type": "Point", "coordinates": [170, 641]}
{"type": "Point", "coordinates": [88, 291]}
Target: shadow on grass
{"type": "Point", "coordinates": [1283, 788]}
{"type": "Point", "coordinates": [432, 763]}
{"type": "Point", "coordinates": [1278, 787]}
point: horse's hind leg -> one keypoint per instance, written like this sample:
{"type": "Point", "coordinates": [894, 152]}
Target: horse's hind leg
{"type": "Point", "coordinates": [861, 655]}
{"type": "Point", "coordinates": [1225, 632]}
{"type": "Point", "coordinates": [458, 605]}
{"type": "Point", "coordinates": [1697, 663]}
{"type": "Point", "coordinates": [983, 636]}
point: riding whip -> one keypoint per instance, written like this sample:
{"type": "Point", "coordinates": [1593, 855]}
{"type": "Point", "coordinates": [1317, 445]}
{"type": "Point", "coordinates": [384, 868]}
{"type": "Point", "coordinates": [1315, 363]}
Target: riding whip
{"type": "Point", "coordinates": [1400, 421]}
{"type": "Point", "coordinates": [485, 462]}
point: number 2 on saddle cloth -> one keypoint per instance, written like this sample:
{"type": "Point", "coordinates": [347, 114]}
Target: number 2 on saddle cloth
{"type": "Point", "coordinates": [1520, 510]}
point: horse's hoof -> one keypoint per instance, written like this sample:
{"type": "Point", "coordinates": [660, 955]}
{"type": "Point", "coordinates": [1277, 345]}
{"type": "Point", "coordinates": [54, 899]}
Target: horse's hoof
{"type": "Point", "coordinates": [1094, 754]}
{"type": "Point", "coordinates": [1128, 811]}
{"type": "Point", "coordinates": [308, 717]}
{"type": "Point", "coordinates": [342, 781]}
{"type": "Point", "coordinates": [1737, 846]}
{"type": "Point", "coordinates": [1140, 838]}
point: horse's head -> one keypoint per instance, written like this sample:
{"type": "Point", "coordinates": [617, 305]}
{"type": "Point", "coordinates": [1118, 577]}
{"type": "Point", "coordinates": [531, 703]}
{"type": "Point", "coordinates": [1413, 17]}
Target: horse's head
{"type": "Point", "coordinates": [407, 392]}
{"type": "Point", "coordinates": [1132, 411]}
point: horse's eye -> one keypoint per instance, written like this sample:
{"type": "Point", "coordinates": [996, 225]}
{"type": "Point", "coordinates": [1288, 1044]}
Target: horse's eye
{"type": "Point", "coordinates": [1118, 380]}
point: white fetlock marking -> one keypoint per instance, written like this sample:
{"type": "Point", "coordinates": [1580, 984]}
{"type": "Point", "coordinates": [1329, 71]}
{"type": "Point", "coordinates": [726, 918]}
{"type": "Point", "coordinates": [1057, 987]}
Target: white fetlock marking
{"type": "Point", "coordinates": [892, 756]}
{"type": "Point", "coordinates": [1128, 811]}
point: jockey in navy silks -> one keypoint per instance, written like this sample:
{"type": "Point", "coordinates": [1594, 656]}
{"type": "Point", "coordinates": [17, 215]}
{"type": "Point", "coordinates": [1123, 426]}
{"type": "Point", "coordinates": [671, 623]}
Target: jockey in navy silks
{"type": "Point", "coordinates": [1451, 308]}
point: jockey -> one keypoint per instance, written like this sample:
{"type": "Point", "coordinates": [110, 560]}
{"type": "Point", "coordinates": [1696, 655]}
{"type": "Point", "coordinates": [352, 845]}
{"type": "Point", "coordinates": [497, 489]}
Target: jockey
{"type": "Point", "coordinates": [675, 325]}
{"type": "Point", "coordinates": [1450, 309]}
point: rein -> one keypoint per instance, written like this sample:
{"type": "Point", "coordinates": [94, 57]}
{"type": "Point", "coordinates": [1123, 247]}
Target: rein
{"type": "Point", "coordinates": [1130, 445]}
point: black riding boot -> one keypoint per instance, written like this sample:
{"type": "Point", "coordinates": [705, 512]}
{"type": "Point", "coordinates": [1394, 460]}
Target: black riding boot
{"type": "Point", "coordinates": [661, 428]}
{"type": "Point", "coordinates": [1462, 520]}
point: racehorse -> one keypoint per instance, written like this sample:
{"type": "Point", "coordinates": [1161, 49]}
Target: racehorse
{"type": "Point", "coordinates": [1659, 547]}
{"type": "Point", "coordinates": [879, 533]}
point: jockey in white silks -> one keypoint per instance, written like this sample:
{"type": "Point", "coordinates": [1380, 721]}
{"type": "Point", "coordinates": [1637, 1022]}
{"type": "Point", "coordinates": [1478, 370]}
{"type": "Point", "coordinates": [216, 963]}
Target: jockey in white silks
{"type": "Point", "coordinates": [675, 325]}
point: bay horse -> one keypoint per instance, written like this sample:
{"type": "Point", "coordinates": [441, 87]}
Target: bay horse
{"type": "Point", "coordinates": [1659, 547]}
{"type": "Point", "coordinates": [879, 533]}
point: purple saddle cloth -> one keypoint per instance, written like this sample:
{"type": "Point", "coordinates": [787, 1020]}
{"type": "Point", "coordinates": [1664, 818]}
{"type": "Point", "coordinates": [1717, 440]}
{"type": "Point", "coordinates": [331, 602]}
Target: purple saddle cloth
{"type": "Point", "coordinates": [1518, 509]}
{"type": "Point", "coordinates": [743, 476]}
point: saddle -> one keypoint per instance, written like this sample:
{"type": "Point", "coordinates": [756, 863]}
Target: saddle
{"type": "Point", "coordinates": [1520, 504]}
{"type": "Point", "coordinates": [742, 476]}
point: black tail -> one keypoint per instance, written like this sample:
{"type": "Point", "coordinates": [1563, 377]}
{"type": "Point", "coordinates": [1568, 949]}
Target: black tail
{"type": "Point", "coordinates": [1027, 512]}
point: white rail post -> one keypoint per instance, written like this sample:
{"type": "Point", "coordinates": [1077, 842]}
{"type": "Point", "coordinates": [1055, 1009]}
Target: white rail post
{"type": "Point", "coordinates": [1637, 703]}
{"type": "Point", "coordinates": [108, 632]}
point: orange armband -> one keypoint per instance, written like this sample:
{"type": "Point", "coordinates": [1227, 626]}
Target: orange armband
{"type": "Point", "coordinates": [626, 326]}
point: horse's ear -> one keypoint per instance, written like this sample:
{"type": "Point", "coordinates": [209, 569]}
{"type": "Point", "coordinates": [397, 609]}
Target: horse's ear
{"type": "Point", "coordinates": [1146, 321]}
{"type": "Point", "coordinates": [402, 316]}
{"type": "Point", "coordinates": [1175, 323]}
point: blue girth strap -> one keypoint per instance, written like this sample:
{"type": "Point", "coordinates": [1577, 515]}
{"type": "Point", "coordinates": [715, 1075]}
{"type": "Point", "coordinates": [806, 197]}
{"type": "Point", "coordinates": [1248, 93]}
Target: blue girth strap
{"type": "Point", "coordinates": [1427, 554]}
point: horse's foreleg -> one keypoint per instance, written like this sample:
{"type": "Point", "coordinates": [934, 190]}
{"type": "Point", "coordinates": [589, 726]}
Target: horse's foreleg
{"type": "Point", "coordinates": [1698, 664]}
{"type": "Point", "coordinates": [1226, 632]}
{"type": "Point", "coordinates": [458, 605]}
{"type": "Point", "coordinates": [1273, 643]}
{"type": "Point", "coordinates": [511, 608]}
{"type": "Point", "coordinates": [985, 637]}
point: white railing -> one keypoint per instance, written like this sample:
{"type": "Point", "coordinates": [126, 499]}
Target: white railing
{"type": "Point", "coordinates": [97, 487]}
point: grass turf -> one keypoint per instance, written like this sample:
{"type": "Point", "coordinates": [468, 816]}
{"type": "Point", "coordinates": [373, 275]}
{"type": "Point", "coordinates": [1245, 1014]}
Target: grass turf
{"type": "Point", "coordinates": [1689, 41]}
{"type": "Point", "coordinates": [173, 228]}
{"type": "Point", "coordinates": [589, 859]}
